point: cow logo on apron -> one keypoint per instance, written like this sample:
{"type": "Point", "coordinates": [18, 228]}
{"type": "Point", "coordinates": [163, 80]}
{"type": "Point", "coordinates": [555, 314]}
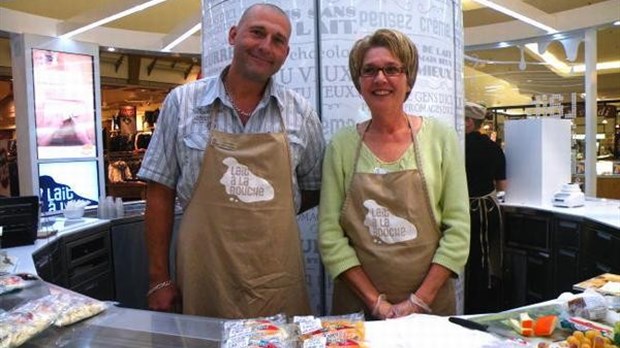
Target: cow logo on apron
{"type": "Point", "coordinates": [385, 227]}
{"type": "Point", "coordinates": [245, 185]}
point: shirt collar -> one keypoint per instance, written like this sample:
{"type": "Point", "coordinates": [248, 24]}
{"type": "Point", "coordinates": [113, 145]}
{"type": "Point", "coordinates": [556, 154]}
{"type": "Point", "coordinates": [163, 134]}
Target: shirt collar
{"type": "Point", "coordinates": [219, 92]}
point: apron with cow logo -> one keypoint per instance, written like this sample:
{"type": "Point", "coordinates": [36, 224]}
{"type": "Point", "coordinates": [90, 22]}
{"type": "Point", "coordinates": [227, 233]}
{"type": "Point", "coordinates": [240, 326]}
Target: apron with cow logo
{"type": "Point", "coordinates": [390, 223]}
{"type": "Point", "coordinates": [239, 251]}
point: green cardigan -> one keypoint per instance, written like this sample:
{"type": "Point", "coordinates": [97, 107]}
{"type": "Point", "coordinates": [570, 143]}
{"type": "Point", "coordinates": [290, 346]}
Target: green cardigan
{"type": "Point", "coordinates": [444, 171]}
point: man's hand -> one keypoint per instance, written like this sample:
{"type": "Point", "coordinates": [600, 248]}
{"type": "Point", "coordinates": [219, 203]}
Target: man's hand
{"type": "Point", "coordinates": [167, 299]}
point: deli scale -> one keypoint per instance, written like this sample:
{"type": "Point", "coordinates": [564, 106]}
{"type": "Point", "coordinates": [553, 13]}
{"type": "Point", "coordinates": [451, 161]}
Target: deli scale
{"type": "Point", "coordinates": [570, 196]}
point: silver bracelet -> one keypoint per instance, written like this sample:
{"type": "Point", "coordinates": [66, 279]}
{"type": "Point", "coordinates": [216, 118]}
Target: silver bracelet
{"type": "Point", "coordinates": [416, 301]}
{"type": "Point", "coordinates": [158, 287]}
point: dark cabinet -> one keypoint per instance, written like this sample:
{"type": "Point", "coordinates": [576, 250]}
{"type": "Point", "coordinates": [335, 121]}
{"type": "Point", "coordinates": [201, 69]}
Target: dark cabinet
{"type": "Point", "coordinates": [601, 250]}
{"type": "Point", "coordinates": [546, 253]}
{"type": "Point", "coordinates": [567, 242]}
{"type": "Point", "coordinates": [89, 261]}
{"type": "Point", "coordinates": [80, 261]}
{"type": "Point", "coordinates": [49, 263]}
{"type": "Point", "coordinates": [528, 259]}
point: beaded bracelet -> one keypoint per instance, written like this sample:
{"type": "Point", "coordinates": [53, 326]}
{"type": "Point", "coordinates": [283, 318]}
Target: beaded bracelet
{"type": "Point", "coordinates": [416, 301]}
{"type": "Point", "coordinates": [380, 298]}
{"type": "Point", "coordinates": [158, 287]}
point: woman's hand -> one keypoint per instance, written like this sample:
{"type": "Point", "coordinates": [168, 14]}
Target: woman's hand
{"type": "Point", "coordinates": [411, 305]}
{"type": "Point", "coordinates": [382, 309]}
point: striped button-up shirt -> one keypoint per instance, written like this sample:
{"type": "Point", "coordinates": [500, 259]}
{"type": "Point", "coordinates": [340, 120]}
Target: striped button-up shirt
{"type": "Point", "coordinates": [175, 153]}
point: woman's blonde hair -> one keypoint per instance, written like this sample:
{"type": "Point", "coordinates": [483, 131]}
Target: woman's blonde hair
{"type": "Point", "coordinates": [395, 42]}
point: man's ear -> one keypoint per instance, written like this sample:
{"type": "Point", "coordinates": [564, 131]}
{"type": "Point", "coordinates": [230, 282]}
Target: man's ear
{"type": "Point", "coordinates": [232, 34]}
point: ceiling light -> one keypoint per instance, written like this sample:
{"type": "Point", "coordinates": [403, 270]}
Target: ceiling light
{"type": "Point", "coordinates": [517, 15]}
{"type": "Point", "coordinates": [182, 38]}
{"type": "Point", "coordinates": [563, 68]}
{"type": "Point", "coordinates": [111, 18]}
{"type": "Point", "coordinates": [616, 23]}
{"type": "Point", "coordinates": [111, 49]}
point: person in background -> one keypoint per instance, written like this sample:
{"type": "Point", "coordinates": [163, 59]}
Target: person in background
{"type": "Point", "coordinates": [486, 175]}
{"type": "Point", "coordinates": [393, 216]}
{"type": "Point", "coordinates": [243, 155]}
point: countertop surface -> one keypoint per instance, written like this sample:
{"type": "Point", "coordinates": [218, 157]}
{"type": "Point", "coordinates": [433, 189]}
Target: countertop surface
{"type": "Point", "coordinates": [605, 211]}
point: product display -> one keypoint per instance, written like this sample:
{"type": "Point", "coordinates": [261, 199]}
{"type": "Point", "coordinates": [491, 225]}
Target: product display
{"type": "Point", "coordinates": [14, 282]}
{"type": "Point", "coordinates": [24, 322]}
{"type": "Point", "coordinates": [75, 307]}
{"type": "Point", "coordinates": [271, 332]}
{"type": "Point", "coordinates": [37, 310]}
{"type": "Point", "coordinates": [333, 332]}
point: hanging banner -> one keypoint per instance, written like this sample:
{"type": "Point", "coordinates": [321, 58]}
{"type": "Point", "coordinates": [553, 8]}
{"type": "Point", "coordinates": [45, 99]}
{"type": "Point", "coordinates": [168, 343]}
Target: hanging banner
{"type": "Point", "coordinates": [323, 33]}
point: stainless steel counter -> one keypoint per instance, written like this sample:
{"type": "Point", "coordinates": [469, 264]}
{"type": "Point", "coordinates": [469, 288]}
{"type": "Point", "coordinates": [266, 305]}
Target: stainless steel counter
{"type": "Point", "coordinates": [121, 327]}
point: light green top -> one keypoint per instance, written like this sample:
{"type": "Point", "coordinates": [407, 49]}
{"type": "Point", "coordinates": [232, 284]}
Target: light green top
{"type": "Point", "coordinates": [444, 170]}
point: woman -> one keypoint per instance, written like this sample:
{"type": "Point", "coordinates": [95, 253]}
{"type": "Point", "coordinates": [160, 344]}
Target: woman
{"type": "Point", "coordinates": [394, 215]}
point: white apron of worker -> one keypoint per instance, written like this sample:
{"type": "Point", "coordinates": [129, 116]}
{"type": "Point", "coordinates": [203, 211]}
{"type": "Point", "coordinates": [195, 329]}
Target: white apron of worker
{"type": "Point", "coordinates": [390, 224]}
{"type": "Point", "coordinates": [239, 251]}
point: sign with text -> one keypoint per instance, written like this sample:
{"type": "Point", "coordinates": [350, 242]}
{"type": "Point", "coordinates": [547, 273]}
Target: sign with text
{"type": "Point", "coordinates": [62, 182]}
{"type": "Point", "coordinates": [320, 44]}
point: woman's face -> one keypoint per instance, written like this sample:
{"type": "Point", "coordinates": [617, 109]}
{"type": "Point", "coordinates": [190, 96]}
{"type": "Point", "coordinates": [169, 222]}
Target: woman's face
{"type": "Point", "coordinates": [383, 82]}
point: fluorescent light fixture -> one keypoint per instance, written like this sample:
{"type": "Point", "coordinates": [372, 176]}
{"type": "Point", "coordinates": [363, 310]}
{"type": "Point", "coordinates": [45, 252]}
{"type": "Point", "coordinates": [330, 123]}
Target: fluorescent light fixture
{"type": "Point", "coordinates": [563, 68]}
{"type": "Point", "coordinates": [599, 66]}
{"type": "Point", "coordinates": [182, 38]}
{"type": "Point", "coordinates": [111, 18]}
{"type": "Point", "coordinates": [517, 15]}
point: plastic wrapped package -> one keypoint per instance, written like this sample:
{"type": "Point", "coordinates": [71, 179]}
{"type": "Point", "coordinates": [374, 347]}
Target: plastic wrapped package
{"type": "Point", "coordinates": [75, 307]}
{"type": "Point", "coordinates": [331, 332]}
{"type": "Point", "coordinates": [589, 305]}
{"type": "Point", "coordinates": [12, 282]}
{"type": "Point", "coordinates": [269, 332]}
{"type": "Point", "coordinates": [27, 320]}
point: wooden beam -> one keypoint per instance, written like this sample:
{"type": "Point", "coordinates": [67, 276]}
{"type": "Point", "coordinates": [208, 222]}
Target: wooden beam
{"type": "Point", "coordinates": [151, 66]}
{"type": "Point", "coordinates": [189, 70]}
{"type": "Point", "coordinates": [118, 63]}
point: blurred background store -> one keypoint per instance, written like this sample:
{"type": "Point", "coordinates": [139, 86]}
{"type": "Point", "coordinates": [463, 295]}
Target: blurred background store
{"type": "Point", "coordinates": [504, 69]}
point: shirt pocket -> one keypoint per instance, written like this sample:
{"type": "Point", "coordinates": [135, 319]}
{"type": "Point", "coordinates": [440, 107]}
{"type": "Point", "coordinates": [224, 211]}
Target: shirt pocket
{"type": "Point", "coordinates": [195, 144]}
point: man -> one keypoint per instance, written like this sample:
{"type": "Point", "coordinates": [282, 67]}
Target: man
{"type": "Point", "coordinates": [243, 155]}
{"type": "Point", "coordinates": [486, 175]}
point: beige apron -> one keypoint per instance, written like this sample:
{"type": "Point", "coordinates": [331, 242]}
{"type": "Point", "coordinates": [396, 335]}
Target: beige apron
{"type": "Point", "coordinates": [389, 222]}
{"type": "Point", "coordinates": [239, 251]}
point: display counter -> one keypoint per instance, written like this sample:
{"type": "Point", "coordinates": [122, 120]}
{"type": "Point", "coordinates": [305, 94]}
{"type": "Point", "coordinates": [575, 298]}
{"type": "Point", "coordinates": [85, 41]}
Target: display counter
{"type": "Point", "coordinates": [604, 211]}
{"type": "Point", "coordinates": [547, 249]}
{"type": "Point", "coordinates": [531, 280]}
{"type": "Point", "coordinates": [120, 327]}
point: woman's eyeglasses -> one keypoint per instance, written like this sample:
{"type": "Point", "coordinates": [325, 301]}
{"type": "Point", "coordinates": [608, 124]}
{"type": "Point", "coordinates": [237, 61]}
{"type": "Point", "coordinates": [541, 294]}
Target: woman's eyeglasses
{"type": "Point", "coordinates": [390, 70]}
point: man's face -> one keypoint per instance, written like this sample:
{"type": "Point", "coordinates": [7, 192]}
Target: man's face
{"type": "Point", "coordinates": [260, 43]}
{"type": "Point", "coordinates": [470, 126]}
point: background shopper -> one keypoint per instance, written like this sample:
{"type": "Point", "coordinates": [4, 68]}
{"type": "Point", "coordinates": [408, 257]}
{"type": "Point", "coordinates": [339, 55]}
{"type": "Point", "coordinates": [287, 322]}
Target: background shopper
{"type": "Point", "coordinates": [243, 155]}
{"type": "Point", "coordinates": [486, 174]}
{"type": "Point", "coordinates": [393, 218]}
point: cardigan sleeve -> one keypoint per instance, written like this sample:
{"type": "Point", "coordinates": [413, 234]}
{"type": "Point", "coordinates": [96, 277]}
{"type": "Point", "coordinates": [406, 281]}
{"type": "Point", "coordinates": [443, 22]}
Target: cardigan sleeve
{"type": "Point", "coordinates": [452, 205]}
{"type": "Point", "coordinates": [336, 252]}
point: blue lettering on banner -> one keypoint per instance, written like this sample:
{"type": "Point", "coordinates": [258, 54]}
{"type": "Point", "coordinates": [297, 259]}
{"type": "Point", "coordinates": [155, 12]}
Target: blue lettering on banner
{"type": "Point", "coordinates": [54, 196]}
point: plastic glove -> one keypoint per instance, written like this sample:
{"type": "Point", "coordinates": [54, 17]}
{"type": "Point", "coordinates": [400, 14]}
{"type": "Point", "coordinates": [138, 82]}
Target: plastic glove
{"type": "Point", "coordinates": [383, 309]}
{"type": "Point", "coordinates": [409, 306]}
{"type": "Point", "coordinates": [404, 309]}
